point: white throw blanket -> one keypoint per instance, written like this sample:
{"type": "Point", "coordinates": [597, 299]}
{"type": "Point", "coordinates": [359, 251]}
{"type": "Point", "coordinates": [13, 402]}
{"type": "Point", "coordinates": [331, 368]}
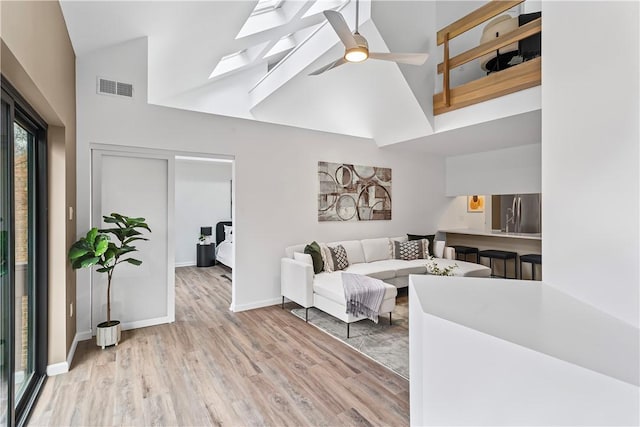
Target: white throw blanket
{"type": "Point", "coordinates": [363, 294]}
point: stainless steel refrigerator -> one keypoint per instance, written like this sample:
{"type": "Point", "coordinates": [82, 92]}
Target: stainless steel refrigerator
{"type": "Point", "coordinates": [521, 213]}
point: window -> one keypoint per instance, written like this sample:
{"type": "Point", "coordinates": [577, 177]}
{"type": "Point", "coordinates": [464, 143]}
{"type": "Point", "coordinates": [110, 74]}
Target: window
{"type": "Point", "coordinates": [264, 6]}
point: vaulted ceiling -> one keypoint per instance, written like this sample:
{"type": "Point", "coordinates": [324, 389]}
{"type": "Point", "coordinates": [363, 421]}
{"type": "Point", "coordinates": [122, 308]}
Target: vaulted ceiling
{"type": "Point", "coordinates": [221, 57]}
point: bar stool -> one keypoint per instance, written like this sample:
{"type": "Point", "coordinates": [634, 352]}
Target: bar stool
{"type": "Point", "coordinates": [504, 256]}
{"type": "Point", "coordinates": [532, 259]}
{"type": "Point", "coordinates": [465, 251]}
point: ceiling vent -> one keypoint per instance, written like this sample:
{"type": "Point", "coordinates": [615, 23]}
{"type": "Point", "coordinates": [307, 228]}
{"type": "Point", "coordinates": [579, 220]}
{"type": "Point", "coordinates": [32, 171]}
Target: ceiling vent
{"type": "Point", "coordinates": [112, 87]}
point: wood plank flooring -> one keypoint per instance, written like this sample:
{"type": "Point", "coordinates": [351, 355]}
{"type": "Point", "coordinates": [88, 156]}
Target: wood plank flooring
{"type": "Point", "coordinates": [216, 367]}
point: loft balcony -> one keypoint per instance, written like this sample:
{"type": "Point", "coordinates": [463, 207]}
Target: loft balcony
{"type": "Point", "coordinates": [502, 38]}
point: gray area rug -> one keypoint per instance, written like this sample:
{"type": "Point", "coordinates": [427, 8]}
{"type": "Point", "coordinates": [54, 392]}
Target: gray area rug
{"type": "Point", "coordinates": [384, 343]}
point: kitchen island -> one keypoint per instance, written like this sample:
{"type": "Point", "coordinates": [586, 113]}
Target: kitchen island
{"type": "Point", "coordinates": [489, 352]}
{"type": "Point", "coordinates": [521, 243]}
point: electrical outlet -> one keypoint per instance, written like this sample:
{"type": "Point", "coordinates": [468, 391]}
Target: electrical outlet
{"type": "Point", "coordinates": [71, 310]}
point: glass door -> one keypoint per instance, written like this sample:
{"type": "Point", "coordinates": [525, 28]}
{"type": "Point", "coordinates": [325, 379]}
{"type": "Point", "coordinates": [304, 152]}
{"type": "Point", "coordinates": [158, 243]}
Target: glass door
{"type": "Point", "coordinates": [23, 258]}
{"type": "Point", "coordinates": [23, 188]}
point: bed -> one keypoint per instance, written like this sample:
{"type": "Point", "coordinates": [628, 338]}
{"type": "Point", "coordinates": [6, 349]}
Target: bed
{"type": "Point", "coordinates": [224, 243]}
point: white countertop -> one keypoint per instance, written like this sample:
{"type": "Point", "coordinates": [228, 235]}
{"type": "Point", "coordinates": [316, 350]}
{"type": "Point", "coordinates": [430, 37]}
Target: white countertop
{"type": "Point", "coordinates": [494, 233]}
{"type": "Point", "coordinates": [536, 316]}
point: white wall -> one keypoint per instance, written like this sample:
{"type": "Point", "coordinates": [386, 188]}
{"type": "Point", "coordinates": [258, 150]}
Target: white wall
{"type": "Point", "coordinates": [590, 153]}
{"type": "Point", "coordinates": [203, 198]}
{"type": "Point", "coordinates": [508, 171]}
{"type": "Point", "coordinates": [275, 184]}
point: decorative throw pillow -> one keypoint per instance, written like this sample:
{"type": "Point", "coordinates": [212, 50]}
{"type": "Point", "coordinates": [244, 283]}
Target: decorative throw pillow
{"type": "Point", "coordinates": [413, 249]}
{"type": "Point", "coordinates": [339, 257]}
{"type": "Point", "coordinates": [429, 237]}
{"type": "Point", "coordinates": [313, 249]}
{"type": "Point", "coordinates": [326, 258]}
{"type": "Point", "coordinates": [305, 258]}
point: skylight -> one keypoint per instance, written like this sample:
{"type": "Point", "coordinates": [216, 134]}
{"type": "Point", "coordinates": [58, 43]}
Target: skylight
{"type": "Point", "coordinates": [232, 55]}
{"type": "Point", "coordinates": [265, 6]}
{"type": "Point", "coordinates": [230, 62]}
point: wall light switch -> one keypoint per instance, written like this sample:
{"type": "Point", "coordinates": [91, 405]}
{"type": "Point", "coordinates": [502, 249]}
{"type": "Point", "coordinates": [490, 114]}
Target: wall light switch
{"type": "Point", "coordinates": [71, 310]}
{"type": "Point", "coordinates": [70, 213]}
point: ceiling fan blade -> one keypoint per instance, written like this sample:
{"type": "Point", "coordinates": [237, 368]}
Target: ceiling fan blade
{"type": "Point", "coordinates": [403, 58]}
{"type": "Point", "coordinates": [341, 28]}
{"type": "Point", "coordinates": [329, 66]}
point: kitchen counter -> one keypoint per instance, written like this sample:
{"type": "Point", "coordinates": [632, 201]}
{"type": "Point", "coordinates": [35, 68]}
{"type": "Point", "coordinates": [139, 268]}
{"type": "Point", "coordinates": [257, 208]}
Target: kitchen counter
{"type": "Point", "coordinates": [495, 233]}
{"type": "Point", "coordinates": [520, 243]}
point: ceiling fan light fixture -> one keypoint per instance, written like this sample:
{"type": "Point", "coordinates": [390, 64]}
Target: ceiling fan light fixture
{"type": "Point", "coordinates": [356, 54]}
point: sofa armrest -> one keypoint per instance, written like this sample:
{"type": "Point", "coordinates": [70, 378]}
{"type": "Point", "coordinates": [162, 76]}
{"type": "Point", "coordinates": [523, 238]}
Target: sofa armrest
{"type": "Point", "coordinates": [449, 253]}
{"type": "Point", "coordinates": [296, 281]}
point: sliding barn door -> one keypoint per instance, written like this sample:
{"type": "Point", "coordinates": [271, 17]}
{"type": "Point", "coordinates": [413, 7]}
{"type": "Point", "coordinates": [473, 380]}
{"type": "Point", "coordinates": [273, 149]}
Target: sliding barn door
{"type": "Point", "coordinates": [136, 185]}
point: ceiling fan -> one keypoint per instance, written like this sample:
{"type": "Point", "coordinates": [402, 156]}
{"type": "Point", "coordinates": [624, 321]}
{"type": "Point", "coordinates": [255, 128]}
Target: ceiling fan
{"type": "Point", "coordinates": [357, 48]}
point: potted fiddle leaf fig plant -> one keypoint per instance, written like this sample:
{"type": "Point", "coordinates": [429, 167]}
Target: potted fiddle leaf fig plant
{"type": "Point", "coordinates": [96, 248]}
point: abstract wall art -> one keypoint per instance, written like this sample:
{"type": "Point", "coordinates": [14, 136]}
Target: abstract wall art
{"type": "Point", "coordinates": [353, 193]}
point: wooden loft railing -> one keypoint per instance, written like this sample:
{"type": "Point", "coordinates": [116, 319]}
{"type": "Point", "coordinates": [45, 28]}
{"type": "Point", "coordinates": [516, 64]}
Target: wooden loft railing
{"type": "Point", "coordinates": [518, 77]}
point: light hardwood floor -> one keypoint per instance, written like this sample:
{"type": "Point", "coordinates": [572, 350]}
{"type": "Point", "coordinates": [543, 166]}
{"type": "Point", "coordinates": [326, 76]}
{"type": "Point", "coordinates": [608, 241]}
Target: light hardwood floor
{"type": "Point", "coordinates": [216, 367]}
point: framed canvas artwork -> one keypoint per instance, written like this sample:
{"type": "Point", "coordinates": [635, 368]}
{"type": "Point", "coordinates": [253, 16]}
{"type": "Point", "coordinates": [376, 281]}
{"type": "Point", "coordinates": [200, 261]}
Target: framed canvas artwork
{"type": "Point", "coordinates": [353, 193]}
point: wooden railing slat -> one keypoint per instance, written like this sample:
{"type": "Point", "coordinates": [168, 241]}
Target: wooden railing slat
{"type": "Point", "coordinates": [476, 18]}
{"type": "Point", "coordinates": [506, 39]}
{"type": "Point", "coordinates": [446, 84]}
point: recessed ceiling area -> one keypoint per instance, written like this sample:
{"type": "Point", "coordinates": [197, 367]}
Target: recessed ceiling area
{"type": "Point", "coordinates": [251, 59]}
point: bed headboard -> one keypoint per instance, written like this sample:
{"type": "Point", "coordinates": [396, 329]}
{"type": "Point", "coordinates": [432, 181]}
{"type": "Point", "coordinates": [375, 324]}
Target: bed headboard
{"type": "Point", "coordinates": [220, 231]}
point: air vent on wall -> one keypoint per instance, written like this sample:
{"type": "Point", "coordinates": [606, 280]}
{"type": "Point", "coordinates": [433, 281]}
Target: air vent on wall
{"type": "Point", "coordinates": [112, 87]}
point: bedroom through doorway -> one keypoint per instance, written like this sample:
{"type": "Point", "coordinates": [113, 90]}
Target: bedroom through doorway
{"type": "Point", "coordinates": [204, 217]}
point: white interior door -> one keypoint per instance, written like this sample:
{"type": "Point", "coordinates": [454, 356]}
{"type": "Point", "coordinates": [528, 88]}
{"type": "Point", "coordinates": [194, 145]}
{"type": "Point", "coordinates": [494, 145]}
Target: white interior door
{"type": "Point", "coordinates": [137, 185]}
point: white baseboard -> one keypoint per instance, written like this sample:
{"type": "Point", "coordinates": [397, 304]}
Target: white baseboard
{"type": "Point", "coordinates": [85, 335]}
{"type": "Point", "coordinates": [57, 369]}
{"type": "Point", "coordinates": [185, 264]}
{"type": "Point", "coordinates": [146, 323]}
{"type": "Point", "coordinates": [72, 350]}
{"type": "Point", "coordinates": [258, 304]}
{"type": "Point", "coordinates": [63, 367]}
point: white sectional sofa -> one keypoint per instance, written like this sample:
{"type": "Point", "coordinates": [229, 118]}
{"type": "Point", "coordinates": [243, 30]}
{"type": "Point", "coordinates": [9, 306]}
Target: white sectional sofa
{"type": "Point", "coordinates": [370, 257]}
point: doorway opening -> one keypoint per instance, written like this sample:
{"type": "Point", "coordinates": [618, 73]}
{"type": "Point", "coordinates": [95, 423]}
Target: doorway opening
{"type": "Point", "coordinates": [204, 220]}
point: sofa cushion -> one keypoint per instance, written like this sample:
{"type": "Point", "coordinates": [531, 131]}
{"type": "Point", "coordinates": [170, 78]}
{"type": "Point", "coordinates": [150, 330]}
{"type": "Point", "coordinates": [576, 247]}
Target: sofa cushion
{"type": "Point", "coordinates": [373, 269]}
{"type": "Point", "coordinates": [408, 251]}
{"type": "Point", "coordinates": [418, 266]}
{"type": "Point", "coordinates": [327, 261]}
{"type": "Point", "coordinates": [376, 249]}
{"type": "Point", "coordinates": [289, 250]}
{"type": "Point", "coordinates": [429, 237]}
{"type": "Point", "coordinates": [339, 258]}
{"type": "Point", "coordinates": [353, 248]}
{"type": "Point", "coordinates": [404, 268]}
{"type": "Point", "coordinates": [313, 249]}
{"type": "Point", "coordinates": [305, 258]}
{"type": "Point", "coordinates": [329, 285]}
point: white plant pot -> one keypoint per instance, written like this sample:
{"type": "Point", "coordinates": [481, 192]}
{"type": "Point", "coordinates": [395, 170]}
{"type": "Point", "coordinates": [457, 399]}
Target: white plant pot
{"type": "Point", "coordinates": [108, 334]}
